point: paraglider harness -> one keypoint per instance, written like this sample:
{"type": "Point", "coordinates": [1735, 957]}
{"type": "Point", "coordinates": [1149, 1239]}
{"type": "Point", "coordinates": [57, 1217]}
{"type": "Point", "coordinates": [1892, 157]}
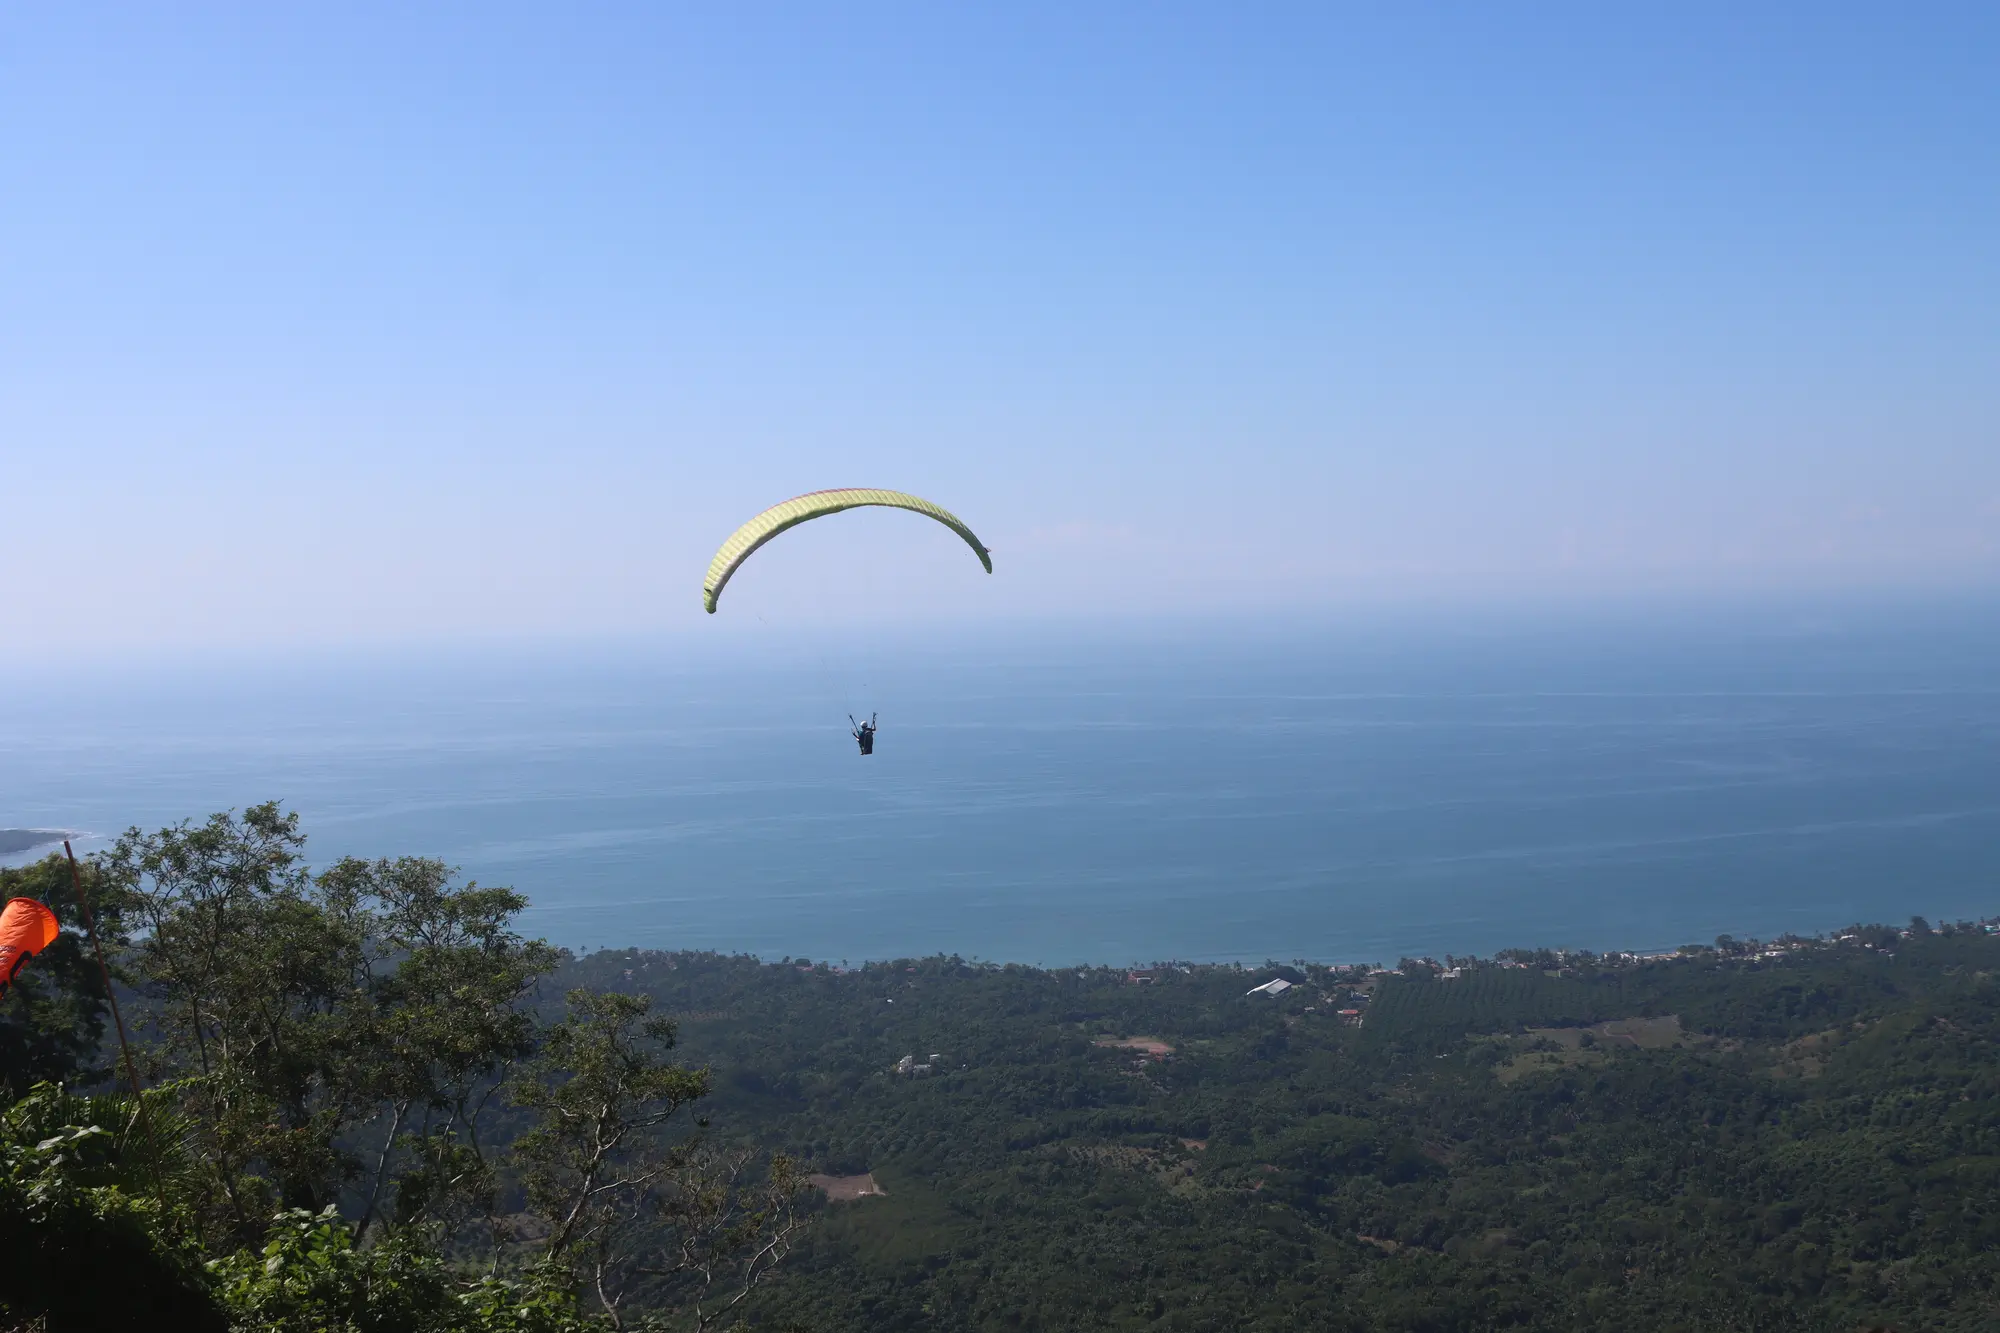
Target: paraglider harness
{"type": "Point", "coordinates": [864, 733]}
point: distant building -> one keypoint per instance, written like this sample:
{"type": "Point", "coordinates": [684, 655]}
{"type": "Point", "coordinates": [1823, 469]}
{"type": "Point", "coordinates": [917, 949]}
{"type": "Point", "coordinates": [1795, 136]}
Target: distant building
{"type": "Point", "coordinates": [1275, 986]}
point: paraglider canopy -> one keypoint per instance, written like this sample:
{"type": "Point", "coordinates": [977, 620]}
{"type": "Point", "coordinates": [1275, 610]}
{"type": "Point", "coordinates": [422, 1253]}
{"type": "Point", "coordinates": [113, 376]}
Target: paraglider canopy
{"type": "Point", "coordinates": [818, 504]}
{"type": "Point", "coordinates": [26, 928]}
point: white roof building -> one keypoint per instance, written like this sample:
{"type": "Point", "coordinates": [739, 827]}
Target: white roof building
{"type": "Point", "coordinates": [1275, 986]}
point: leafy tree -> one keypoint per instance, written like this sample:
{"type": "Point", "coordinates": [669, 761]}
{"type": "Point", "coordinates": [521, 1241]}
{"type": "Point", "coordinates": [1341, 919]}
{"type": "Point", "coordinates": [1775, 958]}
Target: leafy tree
{"type": "Point", "coordinates": [257, 989]}
{"type": "Point", "coordinates": [335, 1047]}
{"type": "Point", "coordinates": [377, 995]}
{"type": "Point", "coordinates": [311, 1277]}
{"type": "Point", "coordinates": [85, 1239]}
{"type": "Point", "coordinates": [94, 1235]}
{"type": "Point", "coordinates": [450, 1019]}
{"type": "Point", "coordinates": [631, 1207]}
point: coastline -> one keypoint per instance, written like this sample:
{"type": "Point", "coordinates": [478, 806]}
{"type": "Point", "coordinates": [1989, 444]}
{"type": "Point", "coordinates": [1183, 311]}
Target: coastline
{"type": "Point", "coordinates": [1873, 937]}
{"type": "Point", "coordinates": [14, 841]}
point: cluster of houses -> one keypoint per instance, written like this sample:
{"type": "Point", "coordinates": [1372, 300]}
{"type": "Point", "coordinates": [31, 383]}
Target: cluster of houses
{"type": "Point", "coordinates": [1361, 977]}
{"type": "Point", "coordinates": [1356, 1001]}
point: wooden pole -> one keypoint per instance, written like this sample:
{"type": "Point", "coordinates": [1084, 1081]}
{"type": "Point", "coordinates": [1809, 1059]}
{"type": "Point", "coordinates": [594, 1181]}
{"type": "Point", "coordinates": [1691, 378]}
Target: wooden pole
{"type": "Point", "coordinates": [83, 905]}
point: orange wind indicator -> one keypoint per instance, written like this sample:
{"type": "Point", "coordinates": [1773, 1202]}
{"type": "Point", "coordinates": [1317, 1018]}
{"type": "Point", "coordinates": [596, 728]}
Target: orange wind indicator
{"type": "Point", "coordinates": [26, 928]}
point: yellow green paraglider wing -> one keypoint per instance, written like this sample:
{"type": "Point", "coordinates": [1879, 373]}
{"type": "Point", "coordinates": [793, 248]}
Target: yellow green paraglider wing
{"type": "Point", "coordinates": [818, 504]}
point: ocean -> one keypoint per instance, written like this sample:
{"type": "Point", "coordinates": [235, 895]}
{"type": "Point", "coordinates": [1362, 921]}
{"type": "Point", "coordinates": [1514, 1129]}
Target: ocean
{"type": "Point", "coordinates": [1617, 780]}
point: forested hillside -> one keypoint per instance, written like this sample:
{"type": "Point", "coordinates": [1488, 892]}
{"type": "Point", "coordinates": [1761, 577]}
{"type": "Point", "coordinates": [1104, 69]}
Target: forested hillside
{"type": "Point", "coordinates": [370, 1104]}
{"type": "Point", "coordinates": [1806, 1140]}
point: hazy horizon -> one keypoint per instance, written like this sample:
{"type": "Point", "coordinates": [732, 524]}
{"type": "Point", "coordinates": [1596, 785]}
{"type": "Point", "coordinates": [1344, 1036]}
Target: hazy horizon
{"type": "Point", "coordinates": [1412, 629]}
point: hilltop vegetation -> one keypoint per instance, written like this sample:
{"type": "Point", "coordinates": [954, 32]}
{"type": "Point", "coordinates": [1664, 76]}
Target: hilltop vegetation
{"type": "Point", "coordinates": [359, 1115]}
{"type": "Point", "coordinates": [375, 1106]}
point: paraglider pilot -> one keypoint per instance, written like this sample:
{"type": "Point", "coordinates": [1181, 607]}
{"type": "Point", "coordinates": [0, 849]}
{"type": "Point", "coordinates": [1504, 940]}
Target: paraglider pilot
{"type": "Point", "coordinates": [864, 733]}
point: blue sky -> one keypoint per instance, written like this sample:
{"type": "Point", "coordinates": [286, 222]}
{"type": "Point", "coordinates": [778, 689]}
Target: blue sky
{"type": "Point", "coordinates": [347, 323]}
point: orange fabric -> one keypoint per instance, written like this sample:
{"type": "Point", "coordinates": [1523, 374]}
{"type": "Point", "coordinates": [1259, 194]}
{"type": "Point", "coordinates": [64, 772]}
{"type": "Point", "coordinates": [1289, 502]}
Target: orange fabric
{"type": "Point", "coordinates": [26, 928]}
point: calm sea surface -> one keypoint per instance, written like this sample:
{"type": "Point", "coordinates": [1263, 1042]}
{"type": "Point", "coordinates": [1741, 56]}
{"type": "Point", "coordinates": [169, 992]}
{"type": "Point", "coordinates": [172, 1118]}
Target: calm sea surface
{"type": "Point", "coordinates": [1324, 795]}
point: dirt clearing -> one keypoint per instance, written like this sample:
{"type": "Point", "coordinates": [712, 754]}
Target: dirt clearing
{"type": "Point", "coordinates": [1152, 1046]}
{"type": "Point", "coordinates": [846, 1189]}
